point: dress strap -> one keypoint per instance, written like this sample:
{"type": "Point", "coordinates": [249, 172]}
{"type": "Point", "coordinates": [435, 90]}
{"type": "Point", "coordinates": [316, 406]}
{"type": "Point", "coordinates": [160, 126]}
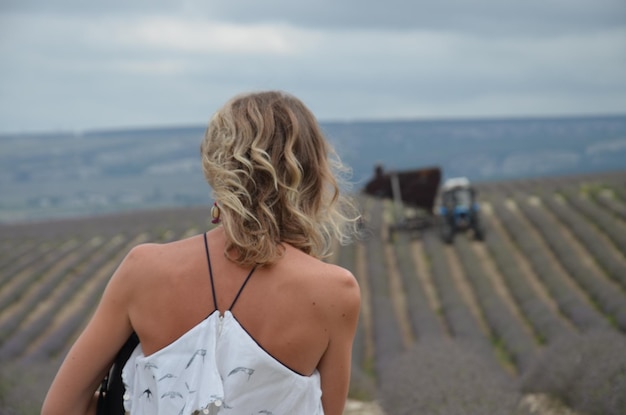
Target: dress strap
{"type": "Point", "coordinates": [242, 287]}
{"type": "Point", "coordinates": [208, 258]}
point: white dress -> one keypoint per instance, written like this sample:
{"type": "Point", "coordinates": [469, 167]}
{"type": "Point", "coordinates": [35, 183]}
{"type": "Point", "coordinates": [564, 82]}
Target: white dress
{"type": "Point", "coordinates": [217, 367]}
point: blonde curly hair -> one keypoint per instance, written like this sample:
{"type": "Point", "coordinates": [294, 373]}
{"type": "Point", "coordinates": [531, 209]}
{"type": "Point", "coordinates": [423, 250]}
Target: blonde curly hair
{"type": "Point", "coordinates": [276, 179]}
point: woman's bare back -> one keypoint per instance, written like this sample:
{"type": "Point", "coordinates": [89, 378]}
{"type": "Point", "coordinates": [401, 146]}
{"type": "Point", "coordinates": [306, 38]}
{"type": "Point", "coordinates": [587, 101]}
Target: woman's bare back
{"type": "Point", "coordinates": [288, 308]}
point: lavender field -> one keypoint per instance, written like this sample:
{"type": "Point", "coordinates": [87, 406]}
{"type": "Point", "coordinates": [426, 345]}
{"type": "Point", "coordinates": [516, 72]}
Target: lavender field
{"type": "Point", "coordinates": [530, 321]}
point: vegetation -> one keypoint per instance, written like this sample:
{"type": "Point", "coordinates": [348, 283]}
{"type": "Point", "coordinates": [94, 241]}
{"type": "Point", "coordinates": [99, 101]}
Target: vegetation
{"type": "Point", "coordinates": [538, 309]}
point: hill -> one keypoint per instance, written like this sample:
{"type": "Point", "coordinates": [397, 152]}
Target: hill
{"type": "Point", "coordinates": [530, 320]}
{"type": "Point", "coordinates": [43, 176]}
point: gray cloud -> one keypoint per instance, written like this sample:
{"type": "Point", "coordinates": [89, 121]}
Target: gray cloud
{"type": "Point", "coordinates": [478, 16]}
{"type": "Point", "coordinates": [75, 64]}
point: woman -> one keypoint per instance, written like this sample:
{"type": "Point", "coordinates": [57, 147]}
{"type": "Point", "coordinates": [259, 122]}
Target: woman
{"type": "Point", "coordinates": [245, 318]}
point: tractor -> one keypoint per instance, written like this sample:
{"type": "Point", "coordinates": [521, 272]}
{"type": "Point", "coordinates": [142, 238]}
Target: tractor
{"type": "Point", "coordinates": [459, 210]}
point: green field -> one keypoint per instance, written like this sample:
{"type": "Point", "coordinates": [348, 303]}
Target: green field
{"type": "Point", "coordinates": [531, 320]}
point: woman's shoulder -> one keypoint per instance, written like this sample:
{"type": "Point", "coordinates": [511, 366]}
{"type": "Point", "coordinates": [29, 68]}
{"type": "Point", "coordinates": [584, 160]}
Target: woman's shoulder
{"type": "Point", "coordinates": [342, 286]}
{"type": "Point", "coordinates": [153, 258]}
{"type": "Point", "coordinates": [335, 284]}
{"type": "Point", "coordinates": [338, 290]}
{"type": "Point", "coordinates": [152, 251]}
{"type": "Point", "coordinates": [317, 269]}
{"type": "Point", "coordinates": [145, 255]}
{"type": "Point", "coordinates": [338, 277]}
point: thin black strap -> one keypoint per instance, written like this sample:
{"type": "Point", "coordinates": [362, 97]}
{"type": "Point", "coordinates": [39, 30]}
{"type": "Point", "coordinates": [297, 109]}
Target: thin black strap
{"type": "Point", "coordinates": [241, 289]}
{"type": "Point", "coordinates": [208, 258]}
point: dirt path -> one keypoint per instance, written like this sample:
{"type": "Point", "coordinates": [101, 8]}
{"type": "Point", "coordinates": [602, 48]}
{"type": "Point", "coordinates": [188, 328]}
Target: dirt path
{"type": "Point", "coordinates": [607, 244]}
{"type": "Point", "coordinates": [497, 281]}
{"type": "Point", "coordinates": [396, 289]}
{"type": "Point", "coordinates": [366, 300]}
{"type": "Point", "coordinates": [8, 289]}
{"type": "Point", "coordinates": [35, 288]}
{"type": "Point", "coordinates": [563, 275]}
{"type": "Point", "coordinates": [465, 289]}
{"type": "Point", "coordinates": [362, 408]}
{"type": "Point", "coordinates": [540, 404]}
{"type": "Point", "coordinates": [426, 279]}
{"type": "Point", "coordinates": [527, 270]}
{"type": "Point", "coordinates": [86, 290]}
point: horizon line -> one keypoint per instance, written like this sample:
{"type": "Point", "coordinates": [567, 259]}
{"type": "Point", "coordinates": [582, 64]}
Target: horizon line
{"type": "Point", "coordinates": [175, 126]}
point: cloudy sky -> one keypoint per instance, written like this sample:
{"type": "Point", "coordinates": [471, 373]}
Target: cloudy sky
{"type": "Point", "coordinates": [75, 64]}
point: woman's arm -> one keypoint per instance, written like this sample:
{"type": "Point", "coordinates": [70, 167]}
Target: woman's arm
{"type": "Point", "coordinates": [334, 367]}
{"type": "Point", "coordinates": [91, 356]}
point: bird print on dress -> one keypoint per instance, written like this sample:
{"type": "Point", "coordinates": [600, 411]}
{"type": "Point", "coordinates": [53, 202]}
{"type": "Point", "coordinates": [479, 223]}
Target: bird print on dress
{"type": "Point", "coordinates": [245, 370]}
{"type": "Point", "coordinates": [199, 352]}
{"type": "Point", "coordinates": [168, 376]}
{"type": "Point", "coordinates": [189, 391]}
{"type": "Point", "coordinates": [172, 395]}
{"type": "Point", "coordinates": [148, 393]}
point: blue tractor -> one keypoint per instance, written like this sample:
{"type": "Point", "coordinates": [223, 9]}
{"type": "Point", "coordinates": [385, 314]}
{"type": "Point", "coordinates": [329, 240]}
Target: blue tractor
{"type": "Point", "coordinates": [459, 210]}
